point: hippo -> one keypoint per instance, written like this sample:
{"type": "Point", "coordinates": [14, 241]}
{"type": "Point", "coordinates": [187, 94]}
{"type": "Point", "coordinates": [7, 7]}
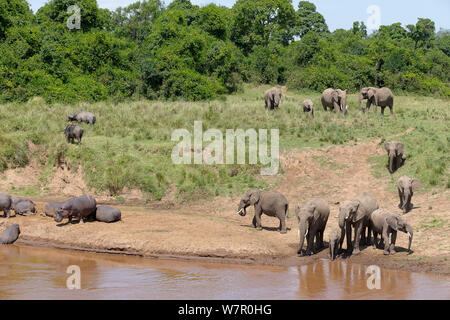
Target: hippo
{"type": "Point", "coordinates": [107, 214]}
{"type": "Point", "coordinates": [83, 116]}
{"type": "Point", "coordinates": [10, 235]}
{"type": "Point", "coordinates": [23, 206]}
{"type": "Point", "coordinates": [51, 208]}
{"type": "Point", "coordinates": [80, 207]}
{"type": "Point", "coordinates": [5, 205]}
{"type": "Point", "coordinates": [73, 132]}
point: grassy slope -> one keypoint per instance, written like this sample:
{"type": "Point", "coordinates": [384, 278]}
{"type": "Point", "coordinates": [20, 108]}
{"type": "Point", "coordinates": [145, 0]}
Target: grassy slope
{"type": "Point", "coordinates": [130, 143]}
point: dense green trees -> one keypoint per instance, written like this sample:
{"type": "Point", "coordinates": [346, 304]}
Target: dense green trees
{"type": "Point", "coordinates": [191, 52]}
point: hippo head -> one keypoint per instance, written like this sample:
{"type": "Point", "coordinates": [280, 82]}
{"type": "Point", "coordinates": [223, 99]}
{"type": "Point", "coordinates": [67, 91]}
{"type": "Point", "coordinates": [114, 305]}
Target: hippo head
{"type": "Point", "coordinates": [61, 213]}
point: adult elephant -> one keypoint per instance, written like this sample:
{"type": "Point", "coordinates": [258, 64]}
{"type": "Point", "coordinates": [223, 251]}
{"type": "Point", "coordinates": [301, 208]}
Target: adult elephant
{"type": "Point", "coordinates": [406, 187]}
{"type": "Point", "coordinates": [272, 98]}
{"type": "Point", "coordinates": [312, 219]}
{"type": "Point", "coordinates": [380, 97]}
{"type": "Point", "coordinates": [396, 155]}
{"type": "Point", "coordinates": [386, 223]}
{"type": "Point", "coordinates": [271, 203]}
{"type": "Point", "coordinates": [356, 213]}
{"type": "Point", "coordinates": [335, 99]}
{"type": "Point", "coordinates": [363, 95]}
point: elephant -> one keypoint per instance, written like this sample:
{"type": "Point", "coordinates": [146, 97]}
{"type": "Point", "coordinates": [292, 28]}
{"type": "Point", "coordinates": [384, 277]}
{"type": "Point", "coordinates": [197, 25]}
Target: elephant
{"type": "Point", "coordinates": [384, 222]}
{"type": "Point", "coordinates": [5, 205]}
{"type": "Point", "coordinates": [80, 207]}
{"type": "Point", "coordinates": [271, 203]}
{"type": "Point", "coordinates": [23, 206]}
{"type": "Point", "coordinates": [10, 235]}
{"type": "Point", "coordinates": [335, 99]}
{"type": "Point", "coordinates": [73, 132]}
{"type": "Point", "coordinates": [356, 213]}
{"type": "Point", "coordinates": [51, 208]}
{"type": "Point", "coordinates": [333, 241]}
{"type": "Point", "coordinates": [406, 187]}
{"type": "Point", "coordinates": [363, 95]}
{"type": "Point", "coordinates": [380, 97]}
{"type": "Point", "coordinates": [83, 116]}
{"type": "Point", "coordinates": [312, 219]}
{"type": "Point", "coordinates": [107, 214]}
{"type": "Point", "coordinates": [396, 155]}
{"type": "Point", "coordinates": [308, 106]}
{"type": "Point", "coordinates": [272, 98]}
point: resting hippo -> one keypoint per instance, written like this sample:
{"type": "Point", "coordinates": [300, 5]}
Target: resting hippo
{"type": "Point", "coordinates": [80, 207]}
{"type": "Point", "coordinates": [5, 205]}
{"type": "Point", "coordinates": [107, 214]}
{"type": "Point", "coordinates": [83, 116]}
{"type": "Point", "coordinates": [73, 132]}
{"type": "Point", "coordinates": [23, 206]}
{"type": "Point", "coordinates": [51, 208]}
{"type": "Point", "coordinates": [10, 235]}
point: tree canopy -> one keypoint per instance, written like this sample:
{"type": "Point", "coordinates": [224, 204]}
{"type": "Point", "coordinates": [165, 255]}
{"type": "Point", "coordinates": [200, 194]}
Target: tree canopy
{"type": "Point", "coordinates": [148, 50]}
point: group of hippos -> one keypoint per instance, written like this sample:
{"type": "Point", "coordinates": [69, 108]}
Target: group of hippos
{"type": "Point", "coordinates": [336, 99]}
{"type": "Point", "coordinates": [83, 207]}
{"type": "Point", "coordinates": [72, 131]}
{"type": "Point", "coordinates": [359, 214]}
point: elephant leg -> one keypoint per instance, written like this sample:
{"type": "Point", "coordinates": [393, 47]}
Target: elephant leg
{"type": "Point", "coordinates": [393, 240]}
{"type": "Point", "coordinates": [382, 110]}
{"type": "Point", "coordinates": [283, 224]}
{"type": "Point", "coordinates": [407, 205]}
{"type": "Point", "coordinates": [385, 236]}
{"type": "Point", "coordinates": [400, 195]}
{"type": "Point", "coordinates": [358, 230]}
{"type": "Point", "coordinates": [321, 239]}
{"type": "Point", "coordinates": [348, 231]}
{"type": "Point", "coordinates": [341, 240]}
{"type": "Point", "coordinates": [375, 239]}
{"type": "Point", "coordinates": [254, 222]}
{"type": "Point", "coordinates": [310, 242]}
{"type": "Point", "coordinates": [391, 108]}
{"type": "Point", "coordinates": [258, 218]}
{"type": "Point", "coordinates": [368, 239]}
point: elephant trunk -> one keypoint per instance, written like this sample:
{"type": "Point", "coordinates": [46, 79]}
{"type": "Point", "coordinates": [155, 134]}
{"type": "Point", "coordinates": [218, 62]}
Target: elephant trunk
{"type": "Point", "coordinates": [409, 231]}
{"type": "Point", "coordinates": [391, 162]}
{"type": "Point", "coordinates": [341, 221]}
{"type": "Point", "coordinates": [302, 232]}
{"type": "Point", "coordinates": [332, 251]}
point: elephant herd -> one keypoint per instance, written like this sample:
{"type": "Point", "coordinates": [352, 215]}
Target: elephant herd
{"type": "Point", "coordinates": [361, 214]}
{"type": "Point", "coordinates": [82, 208]}
{"type": "Point", "coordinates": [336, 99]}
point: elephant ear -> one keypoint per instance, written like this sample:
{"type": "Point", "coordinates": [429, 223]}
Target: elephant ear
{"type": "Point", "coordinates": [255, 196]}
{"type": "Point", "coordinates": [386, 146]}
{"type": "Point", "coordinates": [392, 221]}
{"type": "Point", "coordinates": [415, 184]}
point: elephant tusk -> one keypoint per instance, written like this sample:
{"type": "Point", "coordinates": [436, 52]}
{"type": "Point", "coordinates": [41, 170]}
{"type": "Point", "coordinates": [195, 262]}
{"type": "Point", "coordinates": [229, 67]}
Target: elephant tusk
{"type": "Point", "coordinates": [298, 233]}
{"type": "Point", "coordinates": [409, 234]}
{"type": "Point", "coordinates": [306, 232]}
{"type": "Point", "coordinates": [239, 212]}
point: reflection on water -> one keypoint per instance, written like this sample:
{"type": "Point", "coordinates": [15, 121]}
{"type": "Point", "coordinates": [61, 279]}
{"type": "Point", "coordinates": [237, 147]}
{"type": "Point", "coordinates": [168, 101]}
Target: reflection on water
{"type": "Point", "coordinates": [40, 273]}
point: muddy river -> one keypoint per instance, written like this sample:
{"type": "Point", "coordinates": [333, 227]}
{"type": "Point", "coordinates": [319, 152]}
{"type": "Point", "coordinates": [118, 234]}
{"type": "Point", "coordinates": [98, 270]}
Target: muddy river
{"type": "Point", "coordinates": [41, 273]}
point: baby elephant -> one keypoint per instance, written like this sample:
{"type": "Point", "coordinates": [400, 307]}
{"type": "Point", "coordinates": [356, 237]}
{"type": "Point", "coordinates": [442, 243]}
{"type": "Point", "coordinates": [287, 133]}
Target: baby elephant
{"type": "Point", "coordinates": [107, 214]}
{"type": "Point", "coordinates": [334, 239]}
{"type": "Point", "coordinates": [312, 219]}
{"type": "Point", "coordinates": [83, 116]}
{"type": "Point", "coordinates": [406, 187]}
{"type": "Point", "coordinates": [385, 223]}
{"type": "Point", "coordinates": [10, 235]}
{"type": "Point", "coordinates": [79, 207]}
{"type": "Point", "coordinates": [271, 203]}
{"type": "Point", "coordinates": [5, 205]}
{"type": "Point", "coordinates": [73, 132]}
{"type": "Point", "coordinates": [308, 106]}
{"type": "Point", "coordinates": [396, 155]}
{"type": "Point", "coordinates": [51, 208]}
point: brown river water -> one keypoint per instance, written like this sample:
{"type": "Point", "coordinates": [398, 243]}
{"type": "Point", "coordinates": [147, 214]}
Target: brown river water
{"type": "Point", "coordinates": [41, 273]}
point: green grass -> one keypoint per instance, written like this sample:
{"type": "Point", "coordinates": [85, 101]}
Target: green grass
{"type": "Point", "coordinates": [130, 145]}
